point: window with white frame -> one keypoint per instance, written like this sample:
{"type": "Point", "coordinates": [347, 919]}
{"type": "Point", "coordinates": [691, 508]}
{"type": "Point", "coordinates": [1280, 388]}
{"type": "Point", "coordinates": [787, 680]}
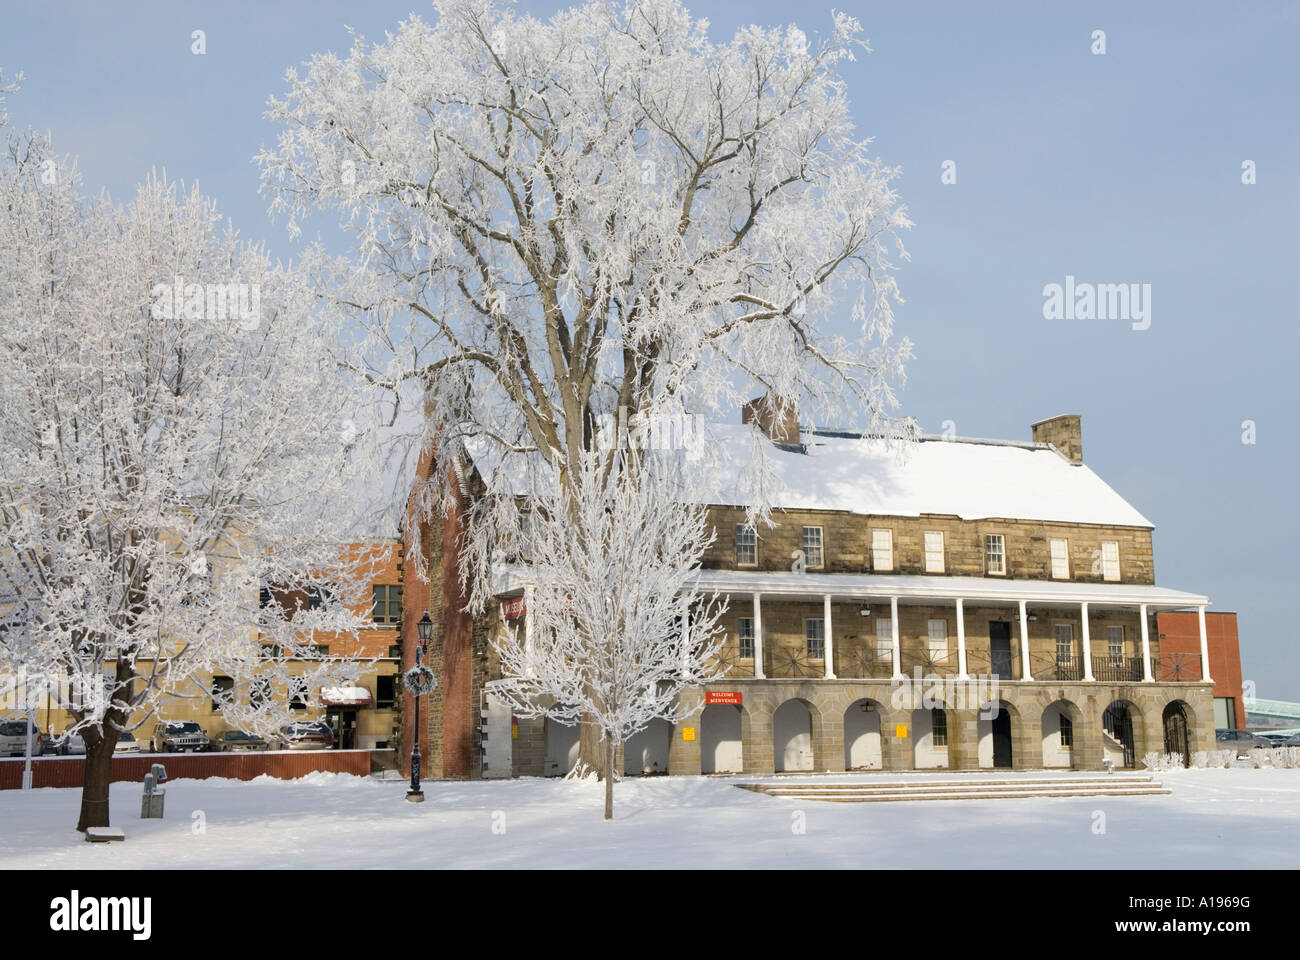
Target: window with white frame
{"type": "Point", "coordinates": [745, 630]}
{"type": "Point", "coordinates": [934, 551]}
{"type": "Point", "coordinates": [1115, 644]}
{"type": "Point", "coordinates": [882, 550]}
{"type": "Point", "coordinates": [1064, 642]}
{"type": "Point", "coordinates": [1110, 560]}
{"type": "Point", "coordinates": [746, 546]}
{"type": "Point", "coordinates": [937, 643]}
{"type": "Point", "coordinates": [885, 639]}
{"type": "Point", "coordinates": [814, 632]}
{"type": "Point", "coordinates": [939, 728]}
{"type": "Point", "coordinates": [1060, 559]}
{"type": "Point", "coordinates": [812, 546]}
{"type": "Point", "coordinates": [995, 554]}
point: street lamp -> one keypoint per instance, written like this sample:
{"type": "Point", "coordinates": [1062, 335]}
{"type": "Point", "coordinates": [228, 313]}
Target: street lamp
{"type": "Point", "coordinates": [419, 680]}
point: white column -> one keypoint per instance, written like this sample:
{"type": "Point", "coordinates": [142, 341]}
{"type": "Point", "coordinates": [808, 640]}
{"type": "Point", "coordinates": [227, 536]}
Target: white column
{"type": "Point", "coordinates": [1205, 646]}
{"type": "Point", "coordinates": [1087, 644]}
{"type": "Point", "coordinates": [897, 648]}
{"type": "Point", "coordinates": [758, 638]}
{"type": "Point", "coordinates": [1146, 647]}
{"type": "Point", "coordinates": [961, 641]}
{"type": "Point", "coordinates": [830, 648]}
{"type": "Point", "coordinates": [530, 634]}
{"type": "Point", "coordinates": [1025, 672]}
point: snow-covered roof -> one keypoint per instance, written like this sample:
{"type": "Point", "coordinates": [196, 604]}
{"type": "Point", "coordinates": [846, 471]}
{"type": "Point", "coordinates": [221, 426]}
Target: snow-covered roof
{"type": "Point", "coordinates": [971, 479]}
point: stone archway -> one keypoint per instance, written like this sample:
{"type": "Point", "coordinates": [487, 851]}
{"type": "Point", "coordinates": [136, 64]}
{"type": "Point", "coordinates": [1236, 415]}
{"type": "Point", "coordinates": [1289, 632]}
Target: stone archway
{"type": "Point", "coordinates": [721, 739]}
{"type": "Point", "coordinates": [561, 748]}
{"type": "Point", "coordinates": [1061, 729]}
{"type": "Point", "coordinates": [1121, 741]}
{"type": "Point", "coordinates": [1177, 723]}
{"type": "Point", "coordinates": [792, 736]}
{"type": "Point", "coordinates": [862, 743]}
{"type": "Point", "coordinates": [646, 752]}
{"type": "Point", "coordinates": [997, 725]}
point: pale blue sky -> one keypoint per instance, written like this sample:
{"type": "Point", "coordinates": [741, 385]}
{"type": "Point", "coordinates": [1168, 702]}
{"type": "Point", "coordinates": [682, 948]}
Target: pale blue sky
{"type": "Point", "coordinates": [1117, 168]}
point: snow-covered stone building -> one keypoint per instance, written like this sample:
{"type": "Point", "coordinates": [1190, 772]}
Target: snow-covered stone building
{"type": "Point", "coordinates": [975, 604]}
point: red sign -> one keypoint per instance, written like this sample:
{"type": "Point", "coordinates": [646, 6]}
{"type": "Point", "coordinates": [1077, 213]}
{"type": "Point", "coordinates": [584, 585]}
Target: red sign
{"type": "Point", "coordinates": [512, 608]}
{"type": "Point", "coordinates": [722, 696]}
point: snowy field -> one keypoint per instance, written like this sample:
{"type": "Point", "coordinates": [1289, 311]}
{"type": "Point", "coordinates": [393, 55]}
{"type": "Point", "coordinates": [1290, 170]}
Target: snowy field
{"type": "Point", "coordinates": [1214, 818]}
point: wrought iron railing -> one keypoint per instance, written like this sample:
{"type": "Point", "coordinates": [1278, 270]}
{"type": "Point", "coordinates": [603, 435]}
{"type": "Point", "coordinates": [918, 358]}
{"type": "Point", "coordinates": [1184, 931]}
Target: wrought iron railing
{"type": "Point", "coordinates": [1117, 669]}
{"type": "Point", "coordinates": [1177, 667]}
{"type": "Point", "coordinates": [1048, 667]}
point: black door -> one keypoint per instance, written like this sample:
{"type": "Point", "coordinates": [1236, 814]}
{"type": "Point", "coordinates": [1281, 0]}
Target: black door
{"type": "Point", "coordinates": [1118, 723]}
{"type": "Point", "coordinates": [1176, 732]}
{"type": "Point", "coordinates": [1000, 650]}
{"type": "Point", "coordinates": [1002, 739]}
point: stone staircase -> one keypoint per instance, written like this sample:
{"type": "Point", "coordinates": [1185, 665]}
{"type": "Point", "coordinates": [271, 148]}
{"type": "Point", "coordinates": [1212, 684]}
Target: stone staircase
{"type": "Point", "coordinates": [867, 791]}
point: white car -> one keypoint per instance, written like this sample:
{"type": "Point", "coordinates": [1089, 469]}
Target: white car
{"type": "Point", "coordinates": [127, 743]}
{"type": "Point", "coordinates": [13, 739]}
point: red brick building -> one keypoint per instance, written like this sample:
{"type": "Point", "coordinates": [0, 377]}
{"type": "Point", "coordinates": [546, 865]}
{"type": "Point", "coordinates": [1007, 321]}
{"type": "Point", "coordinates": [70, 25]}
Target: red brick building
{"type": "Point", "coordinates": [1180, 637]}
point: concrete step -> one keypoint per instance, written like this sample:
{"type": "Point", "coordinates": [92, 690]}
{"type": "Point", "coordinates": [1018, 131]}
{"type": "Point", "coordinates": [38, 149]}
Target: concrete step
{"type": "Point", "coordinates": [963, 790]}
{"type": "Point", "coordinates": [987, 795]}
{"type": "Point", "coordinates": [893, 785]}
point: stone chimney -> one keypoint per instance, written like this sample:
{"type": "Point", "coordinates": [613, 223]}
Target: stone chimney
{"type": "Point", "coordinates": [777, 428]}
{"type": "Point", "coordinates": [1064, 432]}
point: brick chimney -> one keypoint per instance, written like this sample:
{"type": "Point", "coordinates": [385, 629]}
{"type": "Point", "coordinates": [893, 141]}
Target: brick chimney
{"type": "Point", "coordinates": [1064, 432]}
{"type": "Point", "coordinates": [763, 411]}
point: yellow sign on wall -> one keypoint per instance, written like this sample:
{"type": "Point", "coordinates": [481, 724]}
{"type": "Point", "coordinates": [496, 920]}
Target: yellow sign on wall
{"type": "Point", "coordinates": [688, 733]}
{"type": "Point", "coordinates": [900, 731]}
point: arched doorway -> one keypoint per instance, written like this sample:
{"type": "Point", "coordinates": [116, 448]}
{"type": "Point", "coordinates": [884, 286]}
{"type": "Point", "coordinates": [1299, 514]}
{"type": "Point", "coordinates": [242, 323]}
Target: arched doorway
{"type": "Point", "coordinates": [561, 748]}
{"type": "Point", "coordinates": [646, 752]}
{"type": "Point", "coordinates": [1177, 737]}
{"type": "Point", "coordinates": [995, 737]}
{"type": "Point", "coordinates": [721, 739]}
{"type": "Point", "coordinates": [930, 738]}
{"type": "Point", "coordinates": [1117, 741]}
{"type": "Point", "coordinates": [792, 736]}
{"type": "Point", "coordinates": [862, 736]}
{"type": "Point", "coordinates": [1059, 718]}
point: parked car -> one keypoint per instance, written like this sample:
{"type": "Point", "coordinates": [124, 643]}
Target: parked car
{"type": "Point", "coordinates": [230, 741]}
{"type": "Point", "coordinates": [1242, 740]}
{"type": "Point", "coordinates": [72, 745]}
{"type": "Point", "coordinates": [306, 735]}
{"type": "Point", "coordinates": [13, 739]}
{"type": "Point", "coordinates": [180, 737]}
{"type": "Point", "coordinates": [1281, 739]}
{"type": "Point", "coordinates": [127, 743]}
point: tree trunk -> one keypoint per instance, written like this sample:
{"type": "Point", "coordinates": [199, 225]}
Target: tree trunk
{"type": "Point", "coordinates": [99, 774]}
{"type": "Point", "coordinates": [591, 748]}
{"type": "Point", "coordinates": [609, 778]}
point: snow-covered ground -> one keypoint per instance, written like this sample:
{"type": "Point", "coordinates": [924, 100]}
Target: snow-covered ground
{"type": "Point", "coordinates": [1214, 818]}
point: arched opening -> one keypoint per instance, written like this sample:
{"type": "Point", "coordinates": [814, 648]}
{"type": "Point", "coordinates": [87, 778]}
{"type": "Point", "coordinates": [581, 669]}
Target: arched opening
{"type": "Point", "coordinates": [646, 752]}
{"type": "Point", "coordinates": [862, 736]}
{"type": "Point", "coordinates": [721, 739]}
{"type": "Point", "coordinates": [792, 736]}
{"type": "Point", "coordinates": [1118, 743]}
{"type": "Point", "coordinates": [1059, 719]}
{"type": "Point", "coordinates": [995, 746]}
{"type": "Point", "coordinates": [561, 748]}
{"type": "Point", "coordinates": [930, 732]}
{"type": "Point", "coordinates": [1177, 727]}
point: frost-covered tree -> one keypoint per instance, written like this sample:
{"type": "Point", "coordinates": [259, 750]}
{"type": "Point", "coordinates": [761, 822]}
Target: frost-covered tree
{"type": "Point", "coordinates": [170, 444]}
{"type": "Point", "coordinates": [602, 218]}
{"type": "Point", "coordinates": [618, 626]}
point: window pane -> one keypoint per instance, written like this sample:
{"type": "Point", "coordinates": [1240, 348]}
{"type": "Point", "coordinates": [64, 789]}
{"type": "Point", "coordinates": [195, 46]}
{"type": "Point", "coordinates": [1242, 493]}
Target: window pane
{"type": "Point", "coordinates": [934, 551]}
{"type": "Point", "coordinates": [1110, 560]}
{"type": "Point", "coordinates": [815, 632]}
{"type": "Point", "coordinates": [812, 546]}
{"type": "Point", "coordinates": [1060, 560]}
{"type": "Point", "coordinates": [882, 549]}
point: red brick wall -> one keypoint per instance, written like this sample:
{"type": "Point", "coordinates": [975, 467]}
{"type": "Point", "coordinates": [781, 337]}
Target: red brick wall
{"type": "Point", "coordinates": [286, 765]}
{"type": "Point", "coordinates": [1181, 633]}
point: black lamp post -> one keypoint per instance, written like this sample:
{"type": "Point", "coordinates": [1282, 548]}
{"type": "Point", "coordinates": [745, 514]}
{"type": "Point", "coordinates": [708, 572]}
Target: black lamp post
{"type": "Point", "coordinates": [419, 681]}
